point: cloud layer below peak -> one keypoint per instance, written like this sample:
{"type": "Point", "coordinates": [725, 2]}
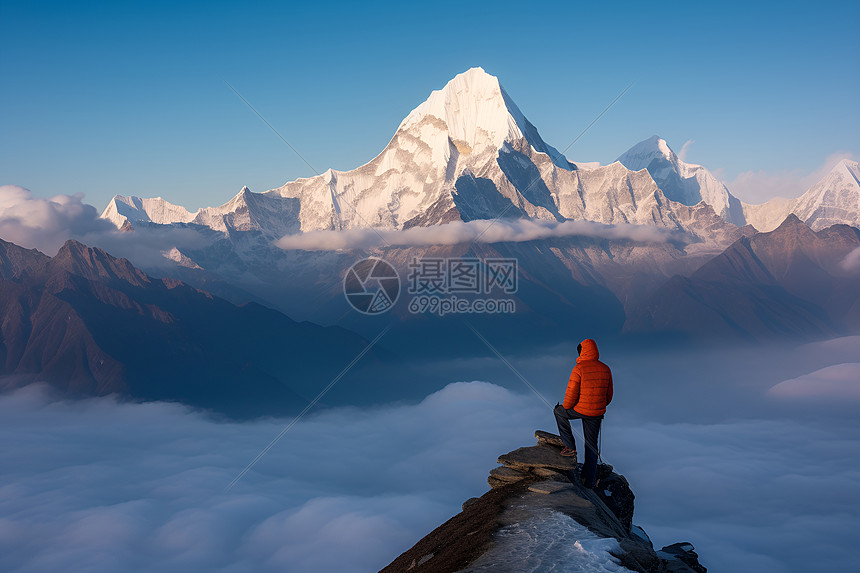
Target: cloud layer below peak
{"type": "Point", "coordinates": [480, 231]}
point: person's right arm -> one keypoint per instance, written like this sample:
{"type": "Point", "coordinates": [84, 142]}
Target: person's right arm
{"type": "Point", "coordinates": [571, 396]}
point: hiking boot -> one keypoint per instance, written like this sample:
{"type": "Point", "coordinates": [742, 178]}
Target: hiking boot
{"type": "Point", "coordinates": [569, 453]}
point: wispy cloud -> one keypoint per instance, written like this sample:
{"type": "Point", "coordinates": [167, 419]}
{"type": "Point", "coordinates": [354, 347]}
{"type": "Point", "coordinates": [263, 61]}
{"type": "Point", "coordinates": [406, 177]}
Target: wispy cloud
{"type": "Point", "coordinates": [457, 232]}
{"type": "Point", "coordinates": [851, 262]}
{"type": "Point", "coordinates": [682, 155]}
{"type": "Point", "coordinates": [758, 186]}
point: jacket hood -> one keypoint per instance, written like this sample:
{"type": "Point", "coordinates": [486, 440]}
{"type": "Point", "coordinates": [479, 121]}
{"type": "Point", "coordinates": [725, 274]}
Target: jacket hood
{"type": "Point", "coordinates": [589, 351]}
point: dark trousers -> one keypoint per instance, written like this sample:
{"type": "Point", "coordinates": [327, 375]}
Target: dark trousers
{"type": "Point", "coordinates": [590, 429]}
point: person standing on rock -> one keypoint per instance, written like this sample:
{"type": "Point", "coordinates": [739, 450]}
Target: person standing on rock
{"type": "Point", "coordinates": [589, 391]}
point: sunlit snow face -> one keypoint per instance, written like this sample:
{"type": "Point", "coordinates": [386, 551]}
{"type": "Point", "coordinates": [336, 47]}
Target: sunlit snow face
{"type": "Point", "coordinates": [105, 486]}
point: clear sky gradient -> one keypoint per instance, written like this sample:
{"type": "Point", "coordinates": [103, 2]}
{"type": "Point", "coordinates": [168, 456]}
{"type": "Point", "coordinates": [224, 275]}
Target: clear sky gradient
{"type": "Point", "coordinates": [106, 98]}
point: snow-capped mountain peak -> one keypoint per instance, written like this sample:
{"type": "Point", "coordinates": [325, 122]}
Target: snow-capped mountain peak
{"type": "Point", "coordinates": [477, 113]}
{"type": "Point", "coordinates": [155, 210]}
{"type": "Point", "coordinates": [848, 168]}
{"type": "Point", "coordinates": [834, 199]}
{"type": "Point", "coordinates": [643, 153]}
{"type": "Point", "coordinates": [474, 108]}
{"type": "Point", "coordinates": [686, 183]}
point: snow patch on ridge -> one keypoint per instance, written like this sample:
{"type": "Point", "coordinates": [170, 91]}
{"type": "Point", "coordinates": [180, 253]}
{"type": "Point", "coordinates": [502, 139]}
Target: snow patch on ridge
{"type": "Point", "coordinates": [544, 542]}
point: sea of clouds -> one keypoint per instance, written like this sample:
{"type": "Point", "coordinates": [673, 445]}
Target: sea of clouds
{"type": "Point", "coordinates": [101, 485]}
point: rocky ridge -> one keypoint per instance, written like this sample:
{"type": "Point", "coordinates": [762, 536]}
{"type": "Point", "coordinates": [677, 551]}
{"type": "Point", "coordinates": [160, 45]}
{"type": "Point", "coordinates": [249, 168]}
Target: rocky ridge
{"type": "Point", "coordinates": [537, 495]}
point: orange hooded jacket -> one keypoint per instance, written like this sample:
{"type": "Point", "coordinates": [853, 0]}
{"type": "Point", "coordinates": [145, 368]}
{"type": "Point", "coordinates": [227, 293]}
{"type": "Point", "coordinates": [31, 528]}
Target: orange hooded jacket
{"type": "Point", "coordinates": [589, 389]}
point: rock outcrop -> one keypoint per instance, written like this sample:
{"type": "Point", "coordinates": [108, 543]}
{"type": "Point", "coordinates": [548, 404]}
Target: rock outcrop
{"type": "Point", "coordinates": [537, 495]}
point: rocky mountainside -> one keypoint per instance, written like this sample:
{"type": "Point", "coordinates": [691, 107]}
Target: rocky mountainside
{"type": "Point", "coordinates": [538, 516]}
{"type": "Point", "coordinates": [787, 282]}
{"type": "Point", "coordinates": [91, 324]}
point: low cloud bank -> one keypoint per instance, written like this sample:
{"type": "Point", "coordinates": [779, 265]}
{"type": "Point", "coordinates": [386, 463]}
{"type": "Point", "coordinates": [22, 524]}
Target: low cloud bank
{"type": "Point", "coordinates": [46, 224]}
{"type": "Point", "coordinates": [837, 382]}
{"type": "Point", "coordinates": [482, 231]}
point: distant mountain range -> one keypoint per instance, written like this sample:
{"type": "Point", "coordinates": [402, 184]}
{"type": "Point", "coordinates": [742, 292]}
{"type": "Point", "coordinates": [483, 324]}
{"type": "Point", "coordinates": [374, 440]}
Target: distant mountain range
{"type": "Point", "coordinates": [787, 283]}
{"type": "Point", "coordinates": [468, 153]}
{"type": "Point", "coordinates": [91, 324]}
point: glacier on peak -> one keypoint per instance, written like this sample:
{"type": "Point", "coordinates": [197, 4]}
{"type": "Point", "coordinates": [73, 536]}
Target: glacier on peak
{"type": "Point", "coordinates": [686, 183]}
{"type": "Point", "coordinates": [478, 112]}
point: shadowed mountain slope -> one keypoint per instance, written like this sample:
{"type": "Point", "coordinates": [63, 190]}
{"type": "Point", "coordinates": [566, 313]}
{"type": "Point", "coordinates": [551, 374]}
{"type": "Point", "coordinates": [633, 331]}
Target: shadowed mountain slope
{"type": "Point", "coordinates": [92, 324]}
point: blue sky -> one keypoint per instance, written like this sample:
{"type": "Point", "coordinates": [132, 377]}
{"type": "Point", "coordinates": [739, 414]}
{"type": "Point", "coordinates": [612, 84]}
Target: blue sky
{"type": "Point", "coordinates": [105, 98]}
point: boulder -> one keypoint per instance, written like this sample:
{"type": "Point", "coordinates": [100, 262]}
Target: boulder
{"type": "Point", "coordinates": [469, 502]}
{"type": "Point", "coordinates": [548, 473]}
{"type": "Point", "coordinates": [548, 439]}
{"type": "Point", "coordinates": [683, 554]}
{"type": "Point", "coordinates": [615, 492]}
{"type": "Point", "coordinates": [496, 483]}
{"type": "Point", "coordinates": [506, 474]}
{"type": "Point", "coordinates": [540, 456]}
